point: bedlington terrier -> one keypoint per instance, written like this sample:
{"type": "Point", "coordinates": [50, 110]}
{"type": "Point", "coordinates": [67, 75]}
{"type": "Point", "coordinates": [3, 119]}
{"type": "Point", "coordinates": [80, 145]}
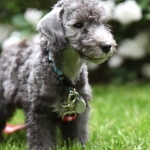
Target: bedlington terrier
{"type": "Point", "coordinates": [49, 80]}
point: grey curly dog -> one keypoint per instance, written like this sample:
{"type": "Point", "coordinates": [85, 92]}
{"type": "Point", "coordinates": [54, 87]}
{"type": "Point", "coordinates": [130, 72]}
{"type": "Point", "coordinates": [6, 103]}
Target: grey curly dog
{"type": "Point", "coordinates": [49, 80]}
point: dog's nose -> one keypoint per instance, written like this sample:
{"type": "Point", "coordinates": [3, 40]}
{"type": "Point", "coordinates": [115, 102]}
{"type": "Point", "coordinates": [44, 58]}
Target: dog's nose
{"type": "Point", "coordinates": [105, 47]}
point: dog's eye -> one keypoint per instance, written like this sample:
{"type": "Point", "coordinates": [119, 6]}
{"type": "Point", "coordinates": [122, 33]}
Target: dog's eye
{"type": "Point", "coordinates": [78, 25]}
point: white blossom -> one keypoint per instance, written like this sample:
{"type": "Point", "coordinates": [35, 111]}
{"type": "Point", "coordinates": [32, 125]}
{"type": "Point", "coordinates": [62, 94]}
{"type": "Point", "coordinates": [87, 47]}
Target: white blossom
{"type": "Point", "coordinates": [146, 70]}
{"type": "Point", "coordinates": [130, 49]}
{"type": "Point", "coordinates": [115, 61]}
{"type": "Point", "coordinates": [108, 6]}
{"type": "Point", "coordinates": [5, 30]}
{"type": "Point", "coordinates": [127, 12]}
{"type": "Point", "coordinates": [33, 16]}
{"type": "Point", "coordinates": [134, 48]}
{"type": "Point", "coordinates": [142, 38]}
{"type": "Point", "coordinates": [14, 38]}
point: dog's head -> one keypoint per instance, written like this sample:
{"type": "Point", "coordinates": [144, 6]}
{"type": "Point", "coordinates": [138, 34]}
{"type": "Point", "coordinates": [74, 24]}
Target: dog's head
{"type": "Point", "coordinates": [83, 25]}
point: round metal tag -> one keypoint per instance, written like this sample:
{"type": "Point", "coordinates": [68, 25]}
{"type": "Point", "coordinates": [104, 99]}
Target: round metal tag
{"type": "Point", "coordinates": [80, 106]}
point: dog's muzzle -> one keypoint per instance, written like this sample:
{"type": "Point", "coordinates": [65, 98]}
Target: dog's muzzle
{"type": "Point", "coordinates": [102, 53]}
{"type": "Point", "coordinates": [96, 60]}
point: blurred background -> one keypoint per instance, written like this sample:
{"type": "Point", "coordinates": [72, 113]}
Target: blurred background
{"type": "Point", "coordinates": [130, 21]}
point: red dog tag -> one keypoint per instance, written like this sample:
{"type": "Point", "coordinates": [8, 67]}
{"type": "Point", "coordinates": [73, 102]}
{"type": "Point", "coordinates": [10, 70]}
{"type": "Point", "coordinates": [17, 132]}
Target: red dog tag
{"type": "Point", "coordinates": [69, 118]}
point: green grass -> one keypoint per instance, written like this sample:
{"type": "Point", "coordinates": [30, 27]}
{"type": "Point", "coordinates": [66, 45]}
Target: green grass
{"type": "Point", "coordinates": [119, 120]}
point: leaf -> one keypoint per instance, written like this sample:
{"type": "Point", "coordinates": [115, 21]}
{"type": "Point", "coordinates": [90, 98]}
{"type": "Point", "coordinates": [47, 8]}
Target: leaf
{"type": "Point", "coordinates": [147, 16]}
{"type": "Point", "coordinates": [144, 4]}
{"type": "Point", "coordinates": [19, 21]}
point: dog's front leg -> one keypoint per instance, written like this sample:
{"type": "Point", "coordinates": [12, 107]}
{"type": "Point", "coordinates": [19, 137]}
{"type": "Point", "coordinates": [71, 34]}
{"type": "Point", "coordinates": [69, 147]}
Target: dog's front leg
{"type": "Point", "coordinates": [41, 131]}
{"type": "Point", "coordinates": [76, 130]}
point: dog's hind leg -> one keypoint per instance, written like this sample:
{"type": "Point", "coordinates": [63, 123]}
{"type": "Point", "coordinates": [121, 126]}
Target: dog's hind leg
{"type": "Point", "coordinates": [6, 111]}
{"type": "Point", "coordinates": [2, 119]}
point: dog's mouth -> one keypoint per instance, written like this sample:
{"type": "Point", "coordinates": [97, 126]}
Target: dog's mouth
{"type": "Point", "coordinates": [96, 60]}
{"type": "Point", "coordinates": [92, 59]}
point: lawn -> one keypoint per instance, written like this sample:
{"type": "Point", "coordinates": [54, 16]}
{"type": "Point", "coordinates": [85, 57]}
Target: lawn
{"type": "Point", "coordinates": [119, 120]}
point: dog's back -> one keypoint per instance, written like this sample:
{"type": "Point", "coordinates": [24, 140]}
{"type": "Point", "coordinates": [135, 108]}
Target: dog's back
{"type": "Point", "coordinates": [15, 67]}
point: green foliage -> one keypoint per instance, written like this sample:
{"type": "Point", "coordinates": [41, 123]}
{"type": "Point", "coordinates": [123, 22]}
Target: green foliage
{"type": "Point", "coordinates": [119, 120]}
{"type": "Point", "coordinates": [12, 7]}
{"type": "Point", "coordinates": [19, 21]}
{"type": "Point", "coordinates": [21, 24]}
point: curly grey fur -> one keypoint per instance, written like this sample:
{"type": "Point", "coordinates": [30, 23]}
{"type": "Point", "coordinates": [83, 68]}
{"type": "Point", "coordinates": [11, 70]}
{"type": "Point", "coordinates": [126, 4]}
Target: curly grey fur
{"type": "Point", "coordinates": [27, 79]}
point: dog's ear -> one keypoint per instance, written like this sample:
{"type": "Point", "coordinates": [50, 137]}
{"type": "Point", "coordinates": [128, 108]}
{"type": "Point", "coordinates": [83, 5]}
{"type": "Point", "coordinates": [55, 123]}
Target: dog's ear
{"type": "Point", "coordinates": [51, 27]}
